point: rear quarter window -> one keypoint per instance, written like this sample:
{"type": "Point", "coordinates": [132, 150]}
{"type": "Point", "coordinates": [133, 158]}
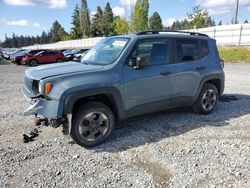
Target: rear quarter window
{"type": "Point", "coordinates": [187, 50]}
{"type": "Point", "coordinates": [204, 49]}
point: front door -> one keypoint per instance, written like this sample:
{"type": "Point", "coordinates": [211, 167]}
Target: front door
{"type": "Point", "coordinates": [149, 88]}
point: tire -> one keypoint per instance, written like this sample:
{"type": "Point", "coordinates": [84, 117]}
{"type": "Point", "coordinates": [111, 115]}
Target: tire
{"type": "Point", "coordinates": [59, 61]}
{"type": "Point", "coordinates": [33, 63]}
{"type": "Point", "coordinates": [92, 124]}
{"type": "Point", "coordinates": [207, 100]}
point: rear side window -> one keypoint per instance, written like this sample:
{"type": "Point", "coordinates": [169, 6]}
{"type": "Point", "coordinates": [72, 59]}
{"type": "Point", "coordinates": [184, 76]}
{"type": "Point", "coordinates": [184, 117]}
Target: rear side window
{"type": "Point", "coordinates": [191, 49]}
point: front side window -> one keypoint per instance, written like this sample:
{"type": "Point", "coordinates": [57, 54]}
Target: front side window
{"type": "Point", "coordinates": [156, 51]}
{"type": "Point", "coordinates": [106, 51]}
{"type": "Point", "coordinates": [187, 50]}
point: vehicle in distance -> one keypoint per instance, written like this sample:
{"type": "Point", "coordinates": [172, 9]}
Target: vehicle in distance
{"type": "Point", "coordinates": [126, 76]}
{"type": "Point", "coordinates": [47, 56]}
{"type": "Point", "coordinates": [16, 59]}
{"type": "Point", "coordinates": [9, 54]}
{"type": "Point", "coordinates": [78, 57]}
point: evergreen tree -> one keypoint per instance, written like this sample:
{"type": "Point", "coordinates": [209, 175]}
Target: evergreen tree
{"type": "Point", "coordinates": [97, 26]}
{"type": "Point", "coordinates": [108, 20]}
{"type": "Point", "coordinates": [145, 9]}
{"type": "Point", "coordinates": [57, 32]}
{"type": "Point", "coordinates": [246, 22]}
{"type": "Point", "coordinates": [121, 26]}
{"type": "Point", "coordinates": [44, 38]}
{"type": "Point", "coordinates": [198, 17]}
{"type": "Point", "coordinates": [21, 41]}
{"type": "Point", "coordinates": [155, 22]}
{"type": "Point", "coordinates": [84, 19]}
{"type": "Point", "coordinates": [14, 42]}
{"type": "Point", "coordinates": [139, 16]}
{"type": "Point", "coordinates": [76, 29]}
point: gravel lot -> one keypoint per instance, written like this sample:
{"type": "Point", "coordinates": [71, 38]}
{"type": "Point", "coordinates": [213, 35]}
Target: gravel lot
{"type": "Point", "coordinates": [169, 149]}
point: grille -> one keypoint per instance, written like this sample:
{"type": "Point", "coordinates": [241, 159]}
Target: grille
{"type": "Point", "coordinates": [28, 83]}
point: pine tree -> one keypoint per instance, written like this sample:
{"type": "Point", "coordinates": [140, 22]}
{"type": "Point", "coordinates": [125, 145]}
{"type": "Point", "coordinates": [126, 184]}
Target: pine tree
{"type": "Point", "coordinates": [108, 20]}
{"type": "Point", "coordinates": [97, 25]}
{"type": "Point", "coordinates": [84, 19]}
{"type": "Point", "coordinates": [121, 26]}
{"type": "Point", "coordinates": [139, 16]}
{"type": "Point", "coordinates": [76, 30]}
{"type": "Point", "coordinates": [155, 22]}
{"type": "Point", "coordinates": [145, 9]}
{"type": "Point", "coordinates": [14, 42]}
{"type": "Point", "coordinates": [198, 17]}
{"type": "Point", "coordinates": [57, 32]}
{"type": "Point", "coordinates": [44, 38]}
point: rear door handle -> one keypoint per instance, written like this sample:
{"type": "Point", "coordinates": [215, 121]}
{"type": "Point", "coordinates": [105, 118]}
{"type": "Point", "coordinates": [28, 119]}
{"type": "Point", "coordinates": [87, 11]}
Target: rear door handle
{"type": "Point", "coordinates": [166, 73]}
{"type": "Point", "coordinates": [200, 68]}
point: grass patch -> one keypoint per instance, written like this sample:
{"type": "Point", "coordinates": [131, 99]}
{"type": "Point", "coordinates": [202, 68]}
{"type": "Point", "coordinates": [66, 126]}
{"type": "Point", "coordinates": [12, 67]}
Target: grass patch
{"type": "Point", "coordinates": [235, 55]}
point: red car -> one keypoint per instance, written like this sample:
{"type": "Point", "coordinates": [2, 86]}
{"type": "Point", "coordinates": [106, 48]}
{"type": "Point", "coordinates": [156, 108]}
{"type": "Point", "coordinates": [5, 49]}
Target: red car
{"type": "Point", "coordinates": [18, 57]}
{"type": "Point", "coordinates": [47, 56]}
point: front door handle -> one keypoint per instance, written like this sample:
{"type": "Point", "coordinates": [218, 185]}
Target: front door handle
{"type": "Point", "coordinates": [166, 73]}
{"type": "Point", "coordinates": [200, 68]}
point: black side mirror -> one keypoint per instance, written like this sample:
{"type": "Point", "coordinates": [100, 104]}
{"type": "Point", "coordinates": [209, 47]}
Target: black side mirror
{"type": "Point", "coordinates": [141, 61]}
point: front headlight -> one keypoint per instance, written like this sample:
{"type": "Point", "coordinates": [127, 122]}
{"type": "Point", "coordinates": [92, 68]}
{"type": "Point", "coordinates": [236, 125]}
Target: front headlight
{"type": "Point", "coordinates": [40, 87]}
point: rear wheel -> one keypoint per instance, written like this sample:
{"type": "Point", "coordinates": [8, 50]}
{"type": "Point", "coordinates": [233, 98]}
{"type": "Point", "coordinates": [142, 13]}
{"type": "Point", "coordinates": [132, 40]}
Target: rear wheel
{"type": "Point", "coordinates": [207, 101]}
{"type": "Point", "coordinates": [92, 124]}
{"type": "Point", "coordinates": [33, 63]}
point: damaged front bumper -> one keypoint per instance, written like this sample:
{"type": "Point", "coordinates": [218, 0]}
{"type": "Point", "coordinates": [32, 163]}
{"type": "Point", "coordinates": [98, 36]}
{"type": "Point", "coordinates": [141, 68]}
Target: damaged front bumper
{"type": "Point", "coordinates": [46, 107]}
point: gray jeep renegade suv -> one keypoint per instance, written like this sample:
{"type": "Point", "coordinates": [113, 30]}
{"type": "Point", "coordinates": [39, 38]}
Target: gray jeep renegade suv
{"type": "Point", "coordinates": [125, 76]}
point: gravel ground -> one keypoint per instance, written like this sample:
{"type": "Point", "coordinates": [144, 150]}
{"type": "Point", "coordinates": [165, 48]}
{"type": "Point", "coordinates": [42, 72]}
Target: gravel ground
{"type": "Point", "coordinates": [177, 148]}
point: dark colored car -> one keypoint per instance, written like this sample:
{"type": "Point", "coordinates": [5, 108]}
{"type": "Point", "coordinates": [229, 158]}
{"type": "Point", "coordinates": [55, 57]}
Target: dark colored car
{"type": "Point", "coordinates": [18, 57]}
{"type": "Point", "coordinates": [78, 57]}
{"type": "Point", "coordinates": [12, 53]}
{"type": "Point", "coordinates": [43, 57]}
{"type": "Point", "coordinates": [69, 54]}
{"type": "Point", "coordinates": [125, 76]}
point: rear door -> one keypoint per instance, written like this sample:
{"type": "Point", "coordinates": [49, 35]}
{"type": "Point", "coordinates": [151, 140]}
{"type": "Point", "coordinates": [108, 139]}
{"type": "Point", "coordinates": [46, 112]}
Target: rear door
{"type": "Point", "coordinates": [148, 89]}
{"type": "Point", "coordinates": [190, 65]}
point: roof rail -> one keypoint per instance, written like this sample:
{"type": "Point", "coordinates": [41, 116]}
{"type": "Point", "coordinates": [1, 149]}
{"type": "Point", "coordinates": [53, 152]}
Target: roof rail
{"type": "Point", "coordinates": [154, 32]}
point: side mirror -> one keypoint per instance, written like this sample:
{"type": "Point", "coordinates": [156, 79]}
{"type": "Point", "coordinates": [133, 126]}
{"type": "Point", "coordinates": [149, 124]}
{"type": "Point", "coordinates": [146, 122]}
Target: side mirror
{"type": "Point", "coordinates": [141, 61]}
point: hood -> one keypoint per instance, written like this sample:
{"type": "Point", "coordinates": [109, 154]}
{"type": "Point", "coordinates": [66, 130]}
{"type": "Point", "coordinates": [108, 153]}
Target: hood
{"type": "Point", "coordinates": [45, 71]}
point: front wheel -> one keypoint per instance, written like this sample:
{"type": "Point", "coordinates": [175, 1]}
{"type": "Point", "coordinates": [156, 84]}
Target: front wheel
{"type": "Point", "coordinates": [92, 124]}
{"type": "Point", "coordinates": [33, 63]}
{"type": "Point", "coordinates": [59, 61]}
{"type": "Point", "coordinates": [208, 99]}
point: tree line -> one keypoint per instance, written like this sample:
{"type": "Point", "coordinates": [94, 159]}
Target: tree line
{"type": "Point", "coordinates": [105, 23]}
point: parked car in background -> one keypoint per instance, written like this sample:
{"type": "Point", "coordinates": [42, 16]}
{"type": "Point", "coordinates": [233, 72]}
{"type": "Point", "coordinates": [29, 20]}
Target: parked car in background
{"type": "Point", "coordinates": [9, 54]}
{"type": "Point", "coordinates": [18, 57]}
{"type": "Point", "coordinates": [78, 57]}
{"type": "Point", "coordinates": [69, 54]}
{"type": "Point", "coordinates": [47, 56]}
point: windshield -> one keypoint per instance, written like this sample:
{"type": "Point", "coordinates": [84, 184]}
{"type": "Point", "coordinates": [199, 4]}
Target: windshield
{"type": "Point", "coordinates": [106, 51]}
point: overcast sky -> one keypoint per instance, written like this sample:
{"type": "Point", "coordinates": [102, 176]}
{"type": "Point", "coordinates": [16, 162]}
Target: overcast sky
{"type": "Point", "coordinates": [31, 17]}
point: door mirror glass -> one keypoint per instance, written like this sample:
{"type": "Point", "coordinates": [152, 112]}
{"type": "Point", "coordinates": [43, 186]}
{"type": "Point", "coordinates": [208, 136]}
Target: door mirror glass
{"type": "Point", "coordinates": [141, 61]}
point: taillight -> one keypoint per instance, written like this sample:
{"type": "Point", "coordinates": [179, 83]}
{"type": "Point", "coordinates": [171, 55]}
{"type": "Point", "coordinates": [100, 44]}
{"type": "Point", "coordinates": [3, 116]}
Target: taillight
{"type": "Point", "coordinates": [222, 62]}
